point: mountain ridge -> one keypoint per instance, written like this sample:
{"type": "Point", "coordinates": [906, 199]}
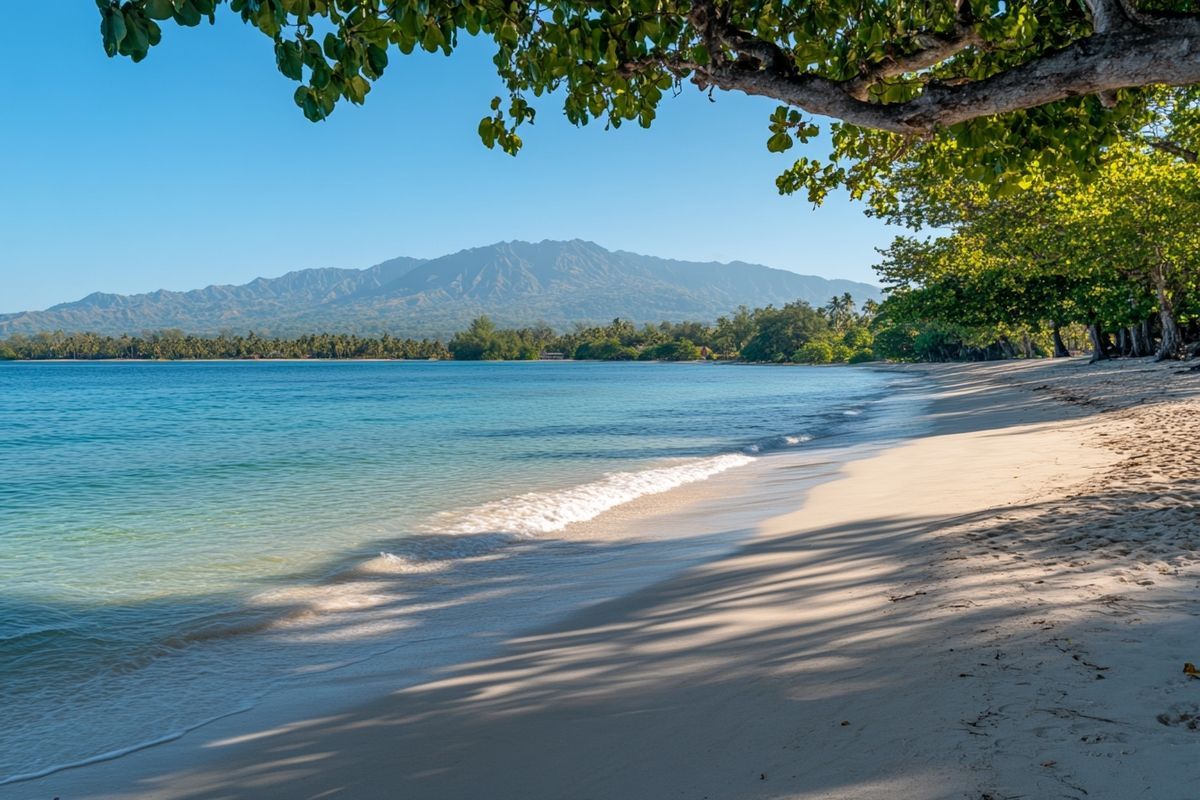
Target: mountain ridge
{"type": "Point", "coordinates": [516, 283]}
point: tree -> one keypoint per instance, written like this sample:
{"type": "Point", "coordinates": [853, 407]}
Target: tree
{"type": "Point", "coordinates": [474, 343]}
{"type": "Point", "coordinates": [816, 351]}
{"type": "Point", "coordinates": [1014, 80]}
{"type": "Point", "coordinates": [783, 331]}
{"type": "Point", "coordinates": [840, 312]}
{"type": "Point", "coordinates": [1104, 254]}
{"type": "Point", "coordinates": [734, 331]}
{"type": "Point", "coordinates": [677, 350]}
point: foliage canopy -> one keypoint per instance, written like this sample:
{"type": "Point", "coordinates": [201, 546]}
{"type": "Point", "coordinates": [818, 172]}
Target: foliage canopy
{"type": "Point", "coordinates": [1106, 254]}
{"type": "Point", "coordinates": [987, 86]}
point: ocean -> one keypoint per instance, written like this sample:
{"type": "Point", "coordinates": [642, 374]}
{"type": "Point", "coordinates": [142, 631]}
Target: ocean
{"type": "Point", "coordinates": [178, 541]}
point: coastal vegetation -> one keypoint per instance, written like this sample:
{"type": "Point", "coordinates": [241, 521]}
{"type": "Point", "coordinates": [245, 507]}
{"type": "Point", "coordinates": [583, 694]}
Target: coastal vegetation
{"type": "Point", "coordinates": [172, 345]}
{"type": "Point", "coordinates": [1113, 261]}
{"type": "Point", "coordinates": [795, 332]}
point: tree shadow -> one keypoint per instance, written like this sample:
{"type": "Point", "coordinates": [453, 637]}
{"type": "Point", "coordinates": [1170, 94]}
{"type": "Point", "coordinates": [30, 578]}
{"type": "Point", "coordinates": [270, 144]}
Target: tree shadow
{"type": "Point", "coordinates": [774, 670]}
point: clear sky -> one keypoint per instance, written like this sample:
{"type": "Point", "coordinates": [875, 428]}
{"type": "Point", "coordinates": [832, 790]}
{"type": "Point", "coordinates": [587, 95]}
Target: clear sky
{"type": "Point", "coordinates": [194, 167]}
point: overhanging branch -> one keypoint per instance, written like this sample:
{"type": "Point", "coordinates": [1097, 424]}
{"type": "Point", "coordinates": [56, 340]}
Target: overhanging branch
{"type": "Point", "coordinates": [1153, 52]}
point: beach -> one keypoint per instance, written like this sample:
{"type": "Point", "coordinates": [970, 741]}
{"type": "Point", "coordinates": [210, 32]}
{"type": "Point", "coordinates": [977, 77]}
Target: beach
{"type": "Point", "coordinates": [1000, 605]}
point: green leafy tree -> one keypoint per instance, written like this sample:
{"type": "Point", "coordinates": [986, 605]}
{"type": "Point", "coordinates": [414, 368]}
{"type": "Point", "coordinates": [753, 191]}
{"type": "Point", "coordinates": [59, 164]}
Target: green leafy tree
{"type": "Point", "coordinates": [476, 341]}
{"type": "Point", "coordinates": [734, 331]}
{"type": "Point", "coordinates": [783, 331]}
{"type": "Point", "coordinates": [677, 350]}
{"type": "Point", "coordinates": [982, 87]}
{"type": "Point", "coordinates": [1104, 254]}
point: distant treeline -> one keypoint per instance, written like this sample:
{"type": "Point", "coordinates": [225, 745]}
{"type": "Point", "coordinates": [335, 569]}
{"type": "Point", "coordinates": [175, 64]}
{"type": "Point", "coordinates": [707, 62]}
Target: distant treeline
{"type": "Point", "coordinates": [172, 345]}
{"type": "Point", "coordinates": [796, 332]}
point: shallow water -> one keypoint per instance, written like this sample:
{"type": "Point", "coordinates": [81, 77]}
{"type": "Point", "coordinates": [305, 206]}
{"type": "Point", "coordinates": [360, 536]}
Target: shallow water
{"type": "Point", "coordinates": [178, 539]}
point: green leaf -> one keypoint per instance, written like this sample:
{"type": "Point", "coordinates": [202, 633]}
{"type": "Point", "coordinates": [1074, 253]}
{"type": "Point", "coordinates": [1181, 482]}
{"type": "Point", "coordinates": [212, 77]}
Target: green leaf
{"type": "Point", "coordinates": [779, 142]}
{"type": "Point", "coordinates": [306, 98]}
{"type": "Point", "coordinates": [333, 47]}
{"type": "Point", "coordinates": [508, 32]}
{"type": "Point", "coordinates": [356, 90]}
{"type": "Point", "coordinates": [377, 59]}
{"type": "Point", "coordinates": [113, 29]}
{"type": "Point", "coordinates": [137, 40]}
{"type": "Point", "coordinates": [187, 14]}
{"type": "Point", "coordinates": [321, 75]}
{"type": "Point", "coordinates": [160, 9]}
{"type": "Point", "coordinates": [487, 132]}
{"type": "Point", "coordinates": [289, 60]}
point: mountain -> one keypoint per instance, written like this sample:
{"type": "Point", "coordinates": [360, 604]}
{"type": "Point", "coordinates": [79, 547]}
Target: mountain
{"type": "Point", "coordinates": [516, 283]}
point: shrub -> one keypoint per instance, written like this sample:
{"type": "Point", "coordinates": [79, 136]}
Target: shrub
{"type": "Point", "coordinates": [814, 352]}
{"type": "Point", "coordinates": [840, 352]}
{"type": "Point", "coordinates": [859, 356]}
{"type": "Point", "coordinates": [858, 339]}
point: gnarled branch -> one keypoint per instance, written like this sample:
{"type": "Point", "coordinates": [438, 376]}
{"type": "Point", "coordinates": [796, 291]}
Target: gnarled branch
{"type": "Point", "coordinates": [1153, 52]}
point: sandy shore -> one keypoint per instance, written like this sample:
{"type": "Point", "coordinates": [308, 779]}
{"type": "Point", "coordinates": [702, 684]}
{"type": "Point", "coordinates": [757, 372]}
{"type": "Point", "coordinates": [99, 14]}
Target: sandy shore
{"type": "Point", "coordinates": [1000, 608]}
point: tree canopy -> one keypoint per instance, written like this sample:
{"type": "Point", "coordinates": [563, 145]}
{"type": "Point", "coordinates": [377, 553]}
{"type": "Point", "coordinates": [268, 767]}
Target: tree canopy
{"type": "Point", "coordinates": [1106, 254]}
{"type": "Point", "coordinates": [987, 86]}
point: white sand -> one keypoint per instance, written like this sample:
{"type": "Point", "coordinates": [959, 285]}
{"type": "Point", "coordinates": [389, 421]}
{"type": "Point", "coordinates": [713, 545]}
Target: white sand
{"type": "Point", "coordinates": [999, 609]}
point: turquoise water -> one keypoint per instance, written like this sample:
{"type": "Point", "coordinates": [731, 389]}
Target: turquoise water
{"type": "Point", "coordinates": [165, 529]}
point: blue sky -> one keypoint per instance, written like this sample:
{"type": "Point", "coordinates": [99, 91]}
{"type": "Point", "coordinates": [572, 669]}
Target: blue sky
{"type": "Point", "coordinates": [194, 167]}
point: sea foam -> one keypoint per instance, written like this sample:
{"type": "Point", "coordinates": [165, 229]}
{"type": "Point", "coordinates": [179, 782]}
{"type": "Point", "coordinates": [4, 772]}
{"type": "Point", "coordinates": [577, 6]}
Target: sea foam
{"type": "Point", "coordinates": [536, 513]}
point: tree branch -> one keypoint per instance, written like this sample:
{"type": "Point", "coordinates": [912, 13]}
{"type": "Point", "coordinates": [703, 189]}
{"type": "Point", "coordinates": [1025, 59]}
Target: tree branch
{"type": "Point", "coordinates": [934, 49]}
{"type": "Point", "coordinates": [1107, 14]}
{"type": "Point", "coordinates": [1166, 146]}
{"type": "Point", "coordinates": [1154, 52]}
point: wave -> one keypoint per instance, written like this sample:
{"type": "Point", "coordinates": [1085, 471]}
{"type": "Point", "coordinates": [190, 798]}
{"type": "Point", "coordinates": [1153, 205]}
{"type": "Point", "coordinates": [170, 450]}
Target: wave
{"type": "Point", "coordinates": [536, 513]}
{"type": "Point", "coordinates": [114, 754]}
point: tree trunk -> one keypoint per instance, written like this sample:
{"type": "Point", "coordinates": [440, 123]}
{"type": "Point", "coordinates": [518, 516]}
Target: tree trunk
{"type": "Point", "coordinates": [1099, 351]}
{"type": "Point", "coordinates": [1137, 347]}
{"type": "Point", "coordinates": [1060, 347]}
{"type": "Point", "coordinates": [1171, 345]}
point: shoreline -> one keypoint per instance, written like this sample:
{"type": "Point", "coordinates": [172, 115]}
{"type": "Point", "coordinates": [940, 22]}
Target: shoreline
{"type": "Point", "coordinates": [637, 542]}
{"type": "Point", "coordinates": [733, 678]}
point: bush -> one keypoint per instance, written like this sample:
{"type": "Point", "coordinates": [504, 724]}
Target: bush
{"type": "Point", "coordinates": [841, 353]}
{"type": "Point", "coordinates": [814, 352]}
{"type": "Point", "coordinates": [682, 350]}
{"type": "Point", "coordinates": [858, 339]}
{"type": "Point", "coordinates": [606, 350]}
{"type": "Point", "coordinates": [860, 356]}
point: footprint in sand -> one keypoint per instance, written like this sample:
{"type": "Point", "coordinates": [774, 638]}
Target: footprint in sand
{"type": "Point", "coordinates": [1183, 715]}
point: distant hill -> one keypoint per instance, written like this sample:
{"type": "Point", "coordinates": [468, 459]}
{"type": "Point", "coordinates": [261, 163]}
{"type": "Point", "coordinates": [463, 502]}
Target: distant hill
{"type": "Point", "coordinates": [516, 283]}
